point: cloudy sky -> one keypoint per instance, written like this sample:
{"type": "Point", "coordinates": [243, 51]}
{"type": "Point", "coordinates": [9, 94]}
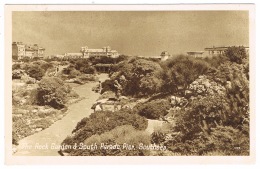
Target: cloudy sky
{"type": "Point", "coordinates": [131, 33]}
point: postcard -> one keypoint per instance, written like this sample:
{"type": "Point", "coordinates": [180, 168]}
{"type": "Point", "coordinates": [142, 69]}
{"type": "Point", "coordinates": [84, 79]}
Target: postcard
{"type": "Point", "coordinates": [130, 84]}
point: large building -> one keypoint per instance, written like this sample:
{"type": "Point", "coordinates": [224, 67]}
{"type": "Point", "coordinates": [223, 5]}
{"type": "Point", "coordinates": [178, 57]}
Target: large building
{"type": "Point", "coordinates": [98, 53]}
{"type": "Point", "coordinates": [211, 52]}
{"type": "Point", "coordinates": [20, 51]}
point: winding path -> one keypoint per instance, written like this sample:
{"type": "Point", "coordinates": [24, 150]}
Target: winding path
{"type": "Point", "coordinates": [43, 143]}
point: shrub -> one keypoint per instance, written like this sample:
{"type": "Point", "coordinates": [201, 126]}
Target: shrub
{"type": "Point", "coordinates": [20, 129]}
{"type": "Point", "coordinates": [98, 123]}
{"type": "Point", "coordinates": [35, 71]}
{"type": "Point", "coordinates": [108, 85]}
{"type": "Point", "coordinates": [46, 66]}
{"type": "Point", "coordinates": [181, 71]}
{"type": "Point", "coordinates": [120, 135]}
{"type": "Point", "coordinates": [89, 70]}
{"type": "Point", "coordinates": [16, 66]}
{"type": "Point", "coordinates": [43, 123]}
{"type": "Point", "coordinates": [15, 138]}
{"type": "Point", "coordinates": [141, 77]}
{"type": "Point", "coordinates": [153, 109]}
{"type": "Point", "coordinates": [52, 91]}
{"type": "Point", "coordinates": [236, 54]}
{"type": "Point", "coordinates": [71, 71]}
{"type": "Point", "coordinates": [17, 74]}
{"type": "Point", "coordinates": [84, 66]}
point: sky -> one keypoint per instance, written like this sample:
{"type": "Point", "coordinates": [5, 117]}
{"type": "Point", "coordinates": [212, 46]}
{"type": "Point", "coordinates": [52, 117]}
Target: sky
{"type": "Point", "coordinates": [131, 33]}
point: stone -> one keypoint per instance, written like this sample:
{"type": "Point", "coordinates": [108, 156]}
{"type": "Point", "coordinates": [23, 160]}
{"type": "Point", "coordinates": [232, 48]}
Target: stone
{"type": "Point", "coordinates": [38, 129]}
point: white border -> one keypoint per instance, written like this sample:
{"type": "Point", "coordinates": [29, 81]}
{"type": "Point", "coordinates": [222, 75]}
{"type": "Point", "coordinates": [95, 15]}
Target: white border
{"type": "Point", "coordinates": [198, 160]}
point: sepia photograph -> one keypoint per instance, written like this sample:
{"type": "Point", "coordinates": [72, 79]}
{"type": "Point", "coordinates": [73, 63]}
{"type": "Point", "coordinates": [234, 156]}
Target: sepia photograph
{"type": "Point", "coordinates": [144, 82]}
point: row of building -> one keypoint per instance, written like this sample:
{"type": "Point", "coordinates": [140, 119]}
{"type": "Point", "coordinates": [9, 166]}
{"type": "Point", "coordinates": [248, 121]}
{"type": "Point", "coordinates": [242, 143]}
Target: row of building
{"type": "Point", "coordinates": [85, 52]}
{"type": "Point", "coordinates": [211, 52]}
{"type": "Point", "coordinates": [20, 51]}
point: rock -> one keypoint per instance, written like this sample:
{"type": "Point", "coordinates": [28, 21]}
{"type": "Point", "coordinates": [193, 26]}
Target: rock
{"type": "Point", "coordinates": [38, 129]}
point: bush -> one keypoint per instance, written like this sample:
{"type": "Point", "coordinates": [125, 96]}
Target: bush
{"type": "Point", "coordinates": [236, 54]}
{"type": "Point", "coordinates": [52, 91]}
{"type": "Point", "coordinates": [181, 71]}
{"type": "Point", "coordinates": [43, 123]}
{"type": "Point", "coordinates": [16, 66]}
{"type": "Point", "coordinates": [15, 138]}
{"type": "Point", "coordinates": [108, 85]}
{"type": "Point", "coordinates": [153, 109]}
{"type": "Point", "coordinates": [141, 77]}
{"type": "Point", "coordinates": [120, 135]}
{"type": "Point", "coordinates": [83, 66]}
{"type": "Point", "coordinates": [35, 71]}
{"type": "Point", "coordinates": [98, 123]}
{"type": "Point", "coordinates": [17, 74]}
{"type": "Point", "coordinates": [89, 70]}
{"type": "Point", "coordinates": [46, 66]}
{"type": "Point", "coordinates": [71, 71]}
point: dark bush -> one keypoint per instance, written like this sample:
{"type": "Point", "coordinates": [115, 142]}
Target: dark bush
{"type": "Point", "coordinates": [17, 74]}
{"type": "Point", "coordinates": [46, 66]}
{"type": "Point", "coordinates": [83, 65]}
{"type": "Point", "coordinates": [108, 85]}
{"type": "Point", "coordinates": [98, 123]}
{"type": "Point", "coordinates": [153, 109]}
{"type": "Point", "coordinates": [236, 54]}
{"type": "Point", "coordinates": [179, 72]}
{"type": "Point", "coordinates": [89, 70]}
{"type": "Point", "coordinates": [35, 71]}
{"type": "Point", "coordinates": [52, 91]}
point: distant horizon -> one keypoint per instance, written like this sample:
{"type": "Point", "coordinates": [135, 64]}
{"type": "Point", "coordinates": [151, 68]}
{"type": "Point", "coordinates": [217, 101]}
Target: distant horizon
{"type": "Point", "coordinates": [131, 33]}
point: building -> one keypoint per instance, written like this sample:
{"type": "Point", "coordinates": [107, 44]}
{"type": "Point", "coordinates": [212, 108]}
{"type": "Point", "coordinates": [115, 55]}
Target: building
{"type": "Point", "coordinates": [20, 51]}
{"type": "Point", "coordinates": [99, 53]}
{"type": "Point", "coordinates": [196, 54]}
{"type": "Point", "coordinates": [216, 51]}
